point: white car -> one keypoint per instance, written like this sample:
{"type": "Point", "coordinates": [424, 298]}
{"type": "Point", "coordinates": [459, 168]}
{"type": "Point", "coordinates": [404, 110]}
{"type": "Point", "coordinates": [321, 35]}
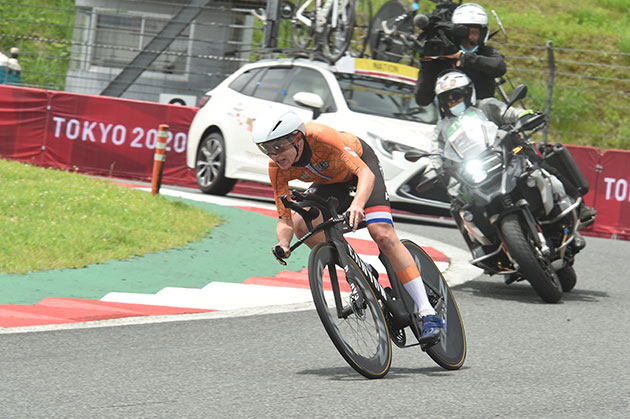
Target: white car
{"type": "Point", "coordinates": [372, 99]}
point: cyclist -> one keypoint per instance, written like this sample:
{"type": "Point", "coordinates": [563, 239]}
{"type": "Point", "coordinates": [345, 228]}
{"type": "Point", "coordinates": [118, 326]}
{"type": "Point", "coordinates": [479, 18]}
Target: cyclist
{"type": "Point", "coordinates": [481, 63]}
{"type": "Point", "coordinates": [336, 162]}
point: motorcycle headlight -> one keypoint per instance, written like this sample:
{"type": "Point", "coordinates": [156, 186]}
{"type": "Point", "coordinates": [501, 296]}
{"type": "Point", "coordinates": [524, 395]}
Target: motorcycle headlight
{"type": "Point", "coordinates": [388, 147]}
{"type": "Point", "coordinates": [478, 170]}
{"type": "Point", "coordinates": [475, 171]}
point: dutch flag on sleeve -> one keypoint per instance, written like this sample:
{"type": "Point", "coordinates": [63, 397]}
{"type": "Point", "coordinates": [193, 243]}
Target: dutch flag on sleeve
{"type": "Point", "coordinates": [379, 214]}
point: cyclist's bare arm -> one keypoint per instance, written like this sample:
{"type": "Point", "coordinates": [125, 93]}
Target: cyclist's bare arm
{"type": "Point", "coordinates": [365, 185]}
{"type": "Point", "coordinates": [284, 232]}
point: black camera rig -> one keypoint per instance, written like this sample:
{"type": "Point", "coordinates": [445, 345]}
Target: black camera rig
{"type": "Point", "coordinates": [438, 36]}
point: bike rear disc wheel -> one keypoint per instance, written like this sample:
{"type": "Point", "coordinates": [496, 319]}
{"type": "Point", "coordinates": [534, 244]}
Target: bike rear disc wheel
{"type": "Point", "coordinates": [362, 337]}
{"type": "Point", "coordinates": [384, 47]}
{"type": "Point", "coordinates": [450, 351]}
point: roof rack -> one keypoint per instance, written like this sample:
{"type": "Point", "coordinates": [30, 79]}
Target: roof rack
{"type": "Point", "coordinates": [289, 52]}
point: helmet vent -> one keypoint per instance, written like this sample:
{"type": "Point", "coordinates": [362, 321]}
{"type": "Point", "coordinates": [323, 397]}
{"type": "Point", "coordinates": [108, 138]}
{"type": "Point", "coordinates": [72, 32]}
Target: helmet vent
{"type": "Point", "coordinates": [276, 126]}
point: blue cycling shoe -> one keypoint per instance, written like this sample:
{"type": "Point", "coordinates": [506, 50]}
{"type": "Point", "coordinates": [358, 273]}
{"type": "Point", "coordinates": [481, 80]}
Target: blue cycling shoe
{"type": "Point", "coordinates": [431, 326]}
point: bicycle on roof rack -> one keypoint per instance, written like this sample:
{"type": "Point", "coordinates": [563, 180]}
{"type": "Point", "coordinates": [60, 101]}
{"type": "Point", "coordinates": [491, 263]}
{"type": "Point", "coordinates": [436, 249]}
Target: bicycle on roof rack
{"type": "Point", "coordinates": [393, 34]}
{"type": "Point", "coordinates": [325, 26]}
{"type": "Point", "coordinates": [361, 316]}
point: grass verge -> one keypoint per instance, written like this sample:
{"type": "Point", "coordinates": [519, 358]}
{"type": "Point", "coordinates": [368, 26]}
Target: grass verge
{"type": "Point", "coordinates": [52, 219]}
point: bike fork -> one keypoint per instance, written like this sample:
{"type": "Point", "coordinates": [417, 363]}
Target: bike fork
{"type": "Point", "coordinates": [334, 282]}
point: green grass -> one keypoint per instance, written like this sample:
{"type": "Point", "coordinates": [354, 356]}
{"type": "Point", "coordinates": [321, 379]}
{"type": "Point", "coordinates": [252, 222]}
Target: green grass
{"type": "Point", "coordinates": [52, 219]}
{"type": "Point", "coordinates": [589, 107]}
{"type": "Point", "coordinates": [42, 30]}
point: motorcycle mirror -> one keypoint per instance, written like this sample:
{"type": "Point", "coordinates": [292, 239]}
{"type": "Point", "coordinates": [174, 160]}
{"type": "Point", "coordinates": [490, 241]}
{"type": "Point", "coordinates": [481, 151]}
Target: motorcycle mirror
{"type": "Point", "coordinates": [415, 155]}
{"type": "Point", "coordinates": [519, 93]}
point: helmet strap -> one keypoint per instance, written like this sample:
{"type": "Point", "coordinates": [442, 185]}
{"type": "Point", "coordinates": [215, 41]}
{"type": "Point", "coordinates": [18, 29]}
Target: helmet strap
{"type": "Point", "coordinates": [305, 157]}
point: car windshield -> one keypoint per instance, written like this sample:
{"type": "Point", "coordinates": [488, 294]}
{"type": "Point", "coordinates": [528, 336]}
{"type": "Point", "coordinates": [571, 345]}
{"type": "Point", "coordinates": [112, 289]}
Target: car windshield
{"type": "Point", "coordinates": [382, 97]}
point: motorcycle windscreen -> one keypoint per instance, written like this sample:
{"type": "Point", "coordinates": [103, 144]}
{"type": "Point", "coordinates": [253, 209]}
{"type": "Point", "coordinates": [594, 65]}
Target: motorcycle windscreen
{"type": "Point", "coordinates": [469, 135]}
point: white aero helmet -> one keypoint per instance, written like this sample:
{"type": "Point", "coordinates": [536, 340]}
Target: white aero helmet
{"type": "Point", "coordinates": [273, 130]}
{"type": "Point", "coordinates": [453, 84]}
{"type": "Point", "coordinates": [472, 14]}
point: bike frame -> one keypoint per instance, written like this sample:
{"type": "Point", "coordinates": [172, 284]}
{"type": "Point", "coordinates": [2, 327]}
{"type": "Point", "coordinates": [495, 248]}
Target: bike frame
{"type": "Point", "coordinates": [320, 11]}
{"type": "Point", "coordinates": [334, 230]}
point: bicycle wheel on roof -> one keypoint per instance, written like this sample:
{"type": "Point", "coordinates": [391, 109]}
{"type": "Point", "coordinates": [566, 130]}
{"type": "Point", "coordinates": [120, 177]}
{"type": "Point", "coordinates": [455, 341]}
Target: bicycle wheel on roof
{"type": "Point", "coordinates": [338, 33]}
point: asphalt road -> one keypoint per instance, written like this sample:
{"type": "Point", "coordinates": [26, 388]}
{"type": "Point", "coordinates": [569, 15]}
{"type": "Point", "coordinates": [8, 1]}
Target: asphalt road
{"type": "Point", "coordinates": [525, 359]}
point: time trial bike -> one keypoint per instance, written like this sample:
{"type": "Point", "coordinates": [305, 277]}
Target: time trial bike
{"type": "Point", "coordinates": [361, 316]}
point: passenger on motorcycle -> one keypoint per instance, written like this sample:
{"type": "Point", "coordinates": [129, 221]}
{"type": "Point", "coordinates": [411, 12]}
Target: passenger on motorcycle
{"type": "Point", "coordinates": [480, 62]}
{"type": "Point", "coordinates": [336, 162]}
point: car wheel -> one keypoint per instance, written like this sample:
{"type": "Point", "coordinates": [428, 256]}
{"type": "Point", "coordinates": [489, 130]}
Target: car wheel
{"type": "Point", "coordinates": [210, 166]}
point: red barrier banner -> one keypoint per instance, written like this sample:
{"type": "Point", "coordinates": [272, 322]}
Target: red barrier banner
{"type": "Point", "coordinates": [94, 134]}
{"type": "Point", "coordinates": [117, 137]}
{"type": "Point", "coordinates": [111, 136]}
{"type": "Point", "coordinates": [612, 199]}
{"type": "Point", "coordinates": [587, 158]}
{"type": "Point", "coordinates": [23, 118]}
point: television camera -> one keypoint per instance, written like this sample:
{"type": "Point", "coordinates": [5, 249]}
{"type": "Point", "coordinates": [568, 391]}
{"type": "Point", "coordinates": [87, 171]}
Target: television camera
{"type": "Point", "coordinates": [438, 36]}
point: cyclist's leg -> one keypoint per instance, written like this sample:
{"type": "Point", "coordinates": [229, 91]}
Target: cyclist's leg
{"type": "Point", "coordinates": [388, 242]}
{"type": "Point", "coordinates": [380, 224]}
{"type": "Point", "coordinates": [323, 191]}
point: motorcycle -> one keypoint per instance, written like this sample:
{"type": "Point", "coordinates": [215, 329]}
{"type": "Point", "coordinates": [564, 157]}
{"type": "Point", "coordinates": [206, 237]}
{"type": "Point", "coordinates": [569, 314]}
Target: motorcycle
{"type": "Point", "coordinates": [509, 202]}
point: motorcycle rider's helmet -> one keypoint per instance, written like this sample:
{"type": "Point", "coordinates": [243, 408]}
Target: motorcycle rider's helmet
{"type": "Point", "coordinates": [453, 84]}
{"type": "Point", "coordinates": [472, 15]}
{"type": "Point", "coordinates": [274, 131]}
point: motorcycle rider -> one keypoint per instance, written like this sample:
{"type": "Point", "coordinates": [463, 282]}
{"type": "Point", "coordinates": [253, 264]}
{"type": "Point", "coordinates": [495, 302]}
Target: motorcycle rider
{"type": "Point", "coordinates": [480, 62]}
{"type": "Point", "coordinates": [455, 92]}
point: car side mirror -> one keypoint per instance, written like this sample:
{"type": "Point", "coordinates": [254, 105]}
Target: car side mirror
{"type": "Point", "coordinates": [313, 101]}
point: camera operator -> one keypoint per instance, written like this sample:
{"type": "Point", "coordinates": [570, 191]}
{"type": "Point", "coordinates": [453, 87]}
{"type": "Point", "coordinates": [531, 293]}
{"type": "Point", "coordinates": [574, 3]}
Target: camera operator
{"type": "Point", "coordinates": [480, 62]}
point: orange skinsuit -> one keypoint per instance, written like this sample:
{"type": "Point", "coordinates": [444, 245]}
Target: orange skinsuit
{"type": "Point", "coordinates": [336, 156]}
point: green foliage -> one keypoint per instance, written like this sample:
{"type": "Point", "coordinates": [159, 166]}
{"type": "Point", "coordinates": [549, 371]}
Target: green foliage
{"type": "Point", "coordinates": [588, 100]}
{"type": "Point", "coordinates": [42, 30]}
{"type": "Point", "coordinates": [53, 219]}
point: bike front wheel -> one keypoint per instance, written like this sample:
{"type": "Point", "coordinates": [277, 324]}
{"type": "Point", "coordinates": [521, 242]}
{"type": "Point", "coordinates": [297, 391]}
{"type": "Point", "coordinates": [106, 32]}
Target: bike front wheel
{"type": "Point", "coordinates": [450, 351]}
{"type": "Point", "coordinates": [358, 328]}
